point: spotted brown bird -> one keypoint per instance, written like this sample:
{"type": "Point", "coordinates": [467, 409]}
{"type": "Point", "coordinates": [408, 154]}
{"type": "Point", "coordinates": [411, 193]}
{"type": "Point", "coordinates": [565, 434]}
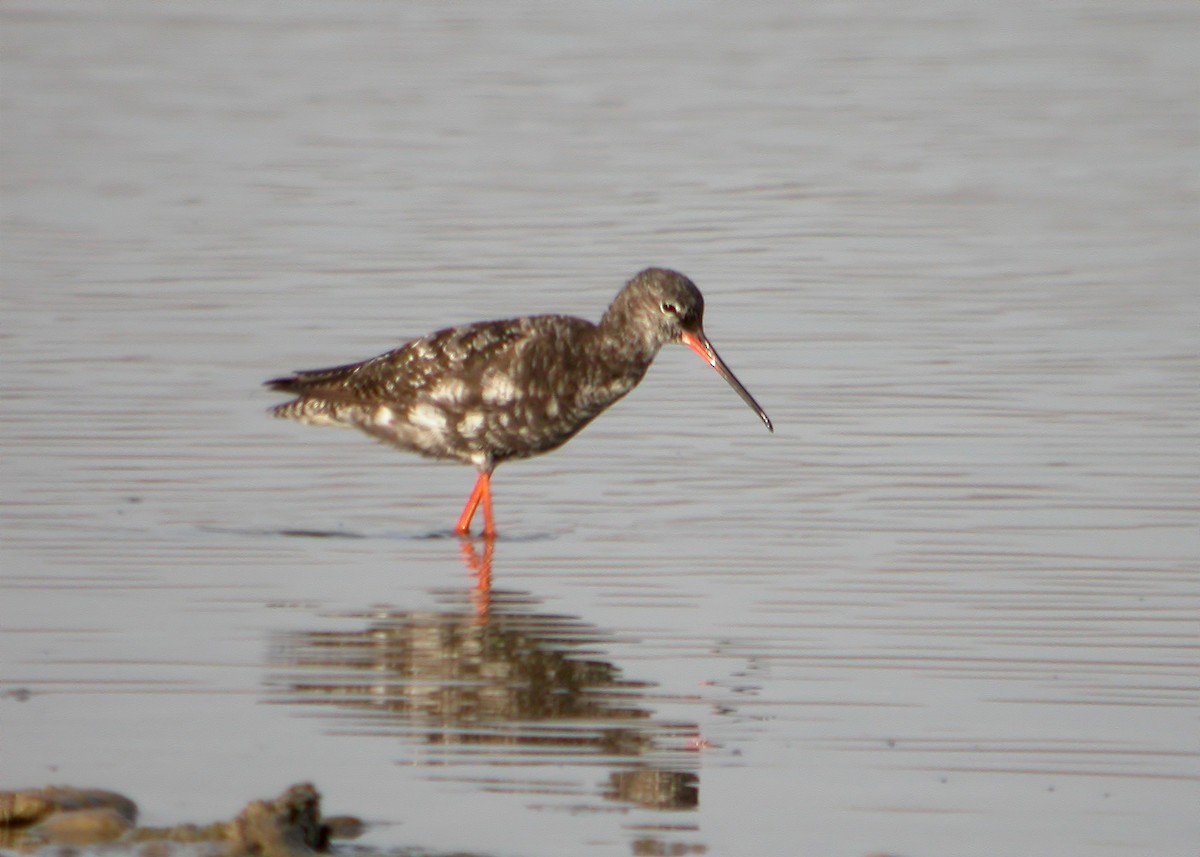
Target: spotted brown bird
{"type": "Point", "coordinates": [495, 391]}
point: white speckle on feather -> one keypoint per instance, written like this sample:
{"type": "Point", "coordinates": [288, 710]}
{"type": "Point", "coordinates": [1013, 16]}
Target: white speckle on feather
{"type": "Point", "coordinates": [499, 389]}
{"type": "Point", "coordinates": [552, 408]}
{"type": "Point", "coordinates": [449, 391]}
{"type": "Point", "coordinates": [427, 416]}
{"type": "Point", "coordinates": [471, 423]}
{"type": "Point", "coordinates": [384, 416]}
{"type": "Point", "coordinates": [480, 459]}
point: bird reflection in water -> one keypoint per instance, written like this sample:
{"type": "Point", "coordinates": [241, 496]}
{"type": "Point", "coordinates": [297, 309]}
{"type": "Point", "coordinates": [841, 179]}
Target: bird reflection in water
{"type": "Point", "coordinates": [481, 568]}
{"type": "Point", "coordinates": [486, 679]}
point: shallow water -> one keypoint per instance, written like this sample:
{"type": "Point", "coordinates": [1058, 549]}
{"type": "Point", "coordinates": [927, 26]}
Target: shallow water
{"type": "Point", "coordinates": [949, 607]}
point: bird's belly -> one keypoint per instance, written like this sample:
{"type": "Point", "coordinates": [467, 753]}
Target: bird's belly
{"type": "Point", "coordinates": [476, 435]}
{"type": "Point", "coordinates": [422, 427]}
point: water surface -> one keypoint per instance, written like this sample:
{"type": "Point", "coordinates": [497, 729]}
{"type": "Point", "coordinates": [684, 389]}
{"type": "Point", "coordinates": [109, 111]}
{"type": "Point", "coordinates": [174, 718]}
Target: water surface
{"type": "Point", "coordinates": [949, 606]}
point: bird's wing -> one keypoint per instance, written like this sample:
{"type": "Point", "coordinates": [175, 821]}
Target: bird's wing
{"type": "Point", "coordinates": [402, 373]}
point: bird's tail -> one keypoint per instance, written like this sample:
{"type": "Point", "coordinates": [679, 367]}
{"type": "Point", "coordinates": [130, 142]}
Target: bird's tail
{"type": "Point", "coordinates": [320, 412]}
{"type": "Point", "coordinates": [324, 396]}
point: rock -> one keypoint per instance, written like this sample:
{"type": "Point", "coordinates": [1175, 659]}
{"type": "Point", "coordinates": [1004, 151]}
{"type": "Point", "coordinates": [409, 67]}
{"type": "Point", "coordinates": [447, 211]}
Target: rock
{"type": "Point", "coordinates": [30, 805]}
{"type": "Point", "coordinates": [18, 809]}
{"type": "Point", "coordinates": [288, 826]}
{"type": "Point", "coordinates": [82, 827]}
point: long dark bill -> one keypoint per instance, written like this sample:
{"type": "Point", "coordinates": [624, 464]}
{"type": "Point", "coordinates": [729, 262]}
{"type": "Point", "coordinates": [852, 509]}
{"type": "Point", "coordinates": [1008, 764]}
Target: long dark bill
{"type": "Point", "coordinates": [699, 343]}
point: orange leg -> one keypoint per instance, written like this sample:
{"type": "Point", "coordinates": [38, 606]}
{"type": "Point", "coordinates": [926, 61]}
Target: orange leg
{"type": "Point", "coordinates": [481, 493]}
{"type": "Point", "coordinates": [489, 523]}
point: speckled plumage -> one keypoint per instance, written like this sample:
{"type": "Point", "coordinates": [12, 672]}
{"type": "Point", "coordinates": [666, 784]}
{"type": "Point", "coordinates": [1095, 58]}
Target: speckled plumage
{"type": "Point", "coordinates": [494, 391]}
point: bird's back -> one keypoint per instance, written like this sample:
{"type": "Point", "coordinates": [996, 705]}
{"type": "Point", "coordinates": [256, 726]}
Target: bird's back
{"type": "Point", "coordinates": [398, 376]}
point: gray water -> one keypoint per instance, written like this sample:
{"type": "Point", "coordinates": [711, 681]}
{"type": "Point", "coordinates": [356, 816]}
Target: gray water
{"type": "Point", "coordinates": [949, 608]}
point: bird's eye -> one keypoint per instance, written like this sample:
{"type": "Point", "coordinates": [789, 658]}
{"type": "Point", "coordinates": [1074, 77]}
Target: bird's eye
{"type": "Point", "coordinates": [669, 308]}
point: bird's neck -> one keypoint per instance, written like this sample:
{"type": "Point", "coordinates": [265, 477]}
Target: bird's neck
{"type": "Point", "coordinates": [624, 342]}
